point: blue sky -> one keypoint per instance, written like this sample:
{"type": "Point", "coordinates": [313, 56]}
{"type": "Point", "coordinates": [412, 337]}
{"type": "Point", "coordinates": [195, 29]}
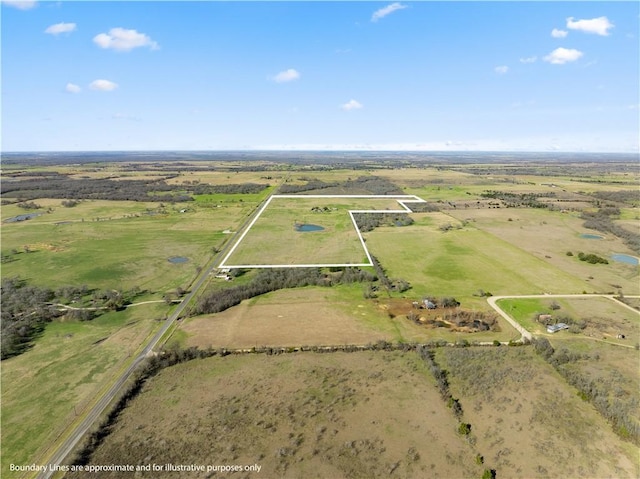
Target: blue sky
{"type": "Point", "coordinates": [521, 76]}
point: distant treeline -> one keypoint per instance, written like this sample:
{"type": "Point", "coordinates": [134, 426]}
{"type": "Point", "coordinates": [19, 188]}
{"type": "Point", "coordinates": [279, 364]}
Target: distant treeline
{"type": "Point", "coordinates": [241, 189]}
{"type": "Point", "coordinates": [602, 220]}
{"type": "Point", "coordinates": [631, 197]}
{"type": "Point", "coordinates": [56, 185]}
{"type": "Point", "coordinates": [514, 200]}
{"type": "Point", "coordinates": [273, 279]}
{"type": "Point", "coordinates": [373, 185]}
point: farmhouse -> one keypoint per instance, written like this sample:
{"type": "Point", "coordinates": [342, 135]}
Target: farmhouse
{"type": "Point", "coordinates": [552, 328]}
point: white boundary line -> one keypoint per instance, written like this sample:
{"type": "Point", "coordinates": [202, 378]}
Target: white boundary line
{"type": "Point", "coordinates": [402, 200]}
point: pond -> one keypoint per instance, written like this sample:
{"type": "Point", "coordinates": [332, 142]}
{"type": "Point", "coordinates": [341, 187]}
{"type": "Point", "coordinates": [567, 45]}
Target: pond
{"type": "Point", "coordinates": [308, 227]}
{"type": "Point", "coordinates": [590, 236]}
{"type": "Point", "coordinates": [178, 259]}
{"type": "Point", "coordinates": [26, 217]}
{"type": "Point", "coordinates": [625, 258]}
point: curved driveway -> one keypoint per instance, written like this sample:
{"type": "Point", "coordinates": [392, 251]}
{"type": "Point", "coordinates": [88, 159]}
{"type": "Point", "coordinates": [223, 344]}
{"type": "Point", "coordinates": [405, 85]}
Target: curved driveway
{"type": "Point", "coordinates": [492, 300]}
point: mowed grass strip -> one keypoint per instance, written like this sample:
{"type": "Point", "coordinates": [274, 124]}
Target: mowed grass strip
{"type": "Point", "coordinates": [304, 415]}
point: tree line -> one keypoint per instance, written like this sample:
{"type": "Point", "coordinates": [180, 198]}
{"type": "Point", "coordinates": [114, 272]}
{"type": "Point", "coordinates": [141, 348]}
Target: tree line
{"type": "Point", "coordinates": [618, 408]}
{"type": "Point", "coordinates": [373, 185]}
{"type": "Point", "coordinates": [273, 279]}
{"type": "Point", "coordinates": [603, 221]}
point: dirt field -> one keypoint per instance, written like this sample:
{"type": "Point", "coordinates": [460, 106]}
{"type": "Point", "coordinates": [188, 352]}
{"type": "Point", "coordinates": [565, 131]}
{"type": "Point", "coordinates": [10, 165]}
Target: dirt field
{"type": "Point", "coordinates": [339, 415]}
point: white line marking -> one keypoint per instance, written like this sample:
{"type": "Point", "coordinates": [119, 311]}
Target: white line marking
{"type": "Point", "coordinates": [401, 199]}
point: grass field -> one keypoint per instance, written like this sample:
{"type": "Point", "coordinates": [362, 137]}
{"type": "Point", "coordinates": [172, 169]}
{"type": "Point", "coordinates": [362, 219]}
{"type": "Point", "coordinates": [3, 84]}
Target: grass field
{"type": "Point", "coordinates": [274, 240]}
{"type": "Point", "coordinates": [527, 422]}
{"type": "Point", "coordinates": [306, 415]}
{"type": "Point", "coordinates": [459, 262]}
{"type": "Point", "coordinates": [125, 248]}
{"type": "Point", "coordinates": [315, 316]}
{"type": "Point", "coordinates": [45, 389]}
{"type": "Point", "coordinates": [603, 318]}
{"type": "Point", "coordinates": [509, 251]}
{"type": "Point", "coordinates": [548, 236]}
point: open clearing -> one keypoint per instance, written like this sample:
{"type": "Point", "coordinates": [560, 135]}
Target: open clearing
{"type": "Point", "coordinates": [335, 415]}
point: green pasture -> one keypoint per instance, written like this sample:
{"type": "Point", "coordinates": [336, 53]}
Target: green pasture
{"type": "Point", "coordinates": [605, 318]}
{"type": "Point", "coordinates": [119, 253]}
{"type": "Point", "coordinates": [44, 388]}
{"type": "Point", "coordinates": [273, 238]}
{"type": "Point", "coordinates": [524, 309]}
{"type": "Point", "coordinates": [459, 262]}
{"type": "Point", "coordinates": [549, 236]}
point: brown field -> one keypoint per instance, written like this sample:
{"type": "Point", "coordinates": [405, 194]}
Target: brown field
{"type": "Point", "coordinates": [321, 316]}
{"type": "Point", "coordinates": [297, 317]}
{"type": "Point", "coordinates": [527, 422]}
{"type": "Point", "coordinates": [339, 415]}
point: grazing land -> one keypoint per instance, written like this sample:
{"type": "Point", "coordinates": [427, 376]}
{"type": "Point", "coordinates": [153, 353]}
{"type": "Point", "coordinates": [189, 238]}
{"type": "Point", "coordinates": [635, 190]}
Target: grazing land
{"type": "Point", "coordinates": [490, 225]}
{"type": "Point", "coordinates": [365, 414]}
{"type": "Point", "coordinates": [527, 422]}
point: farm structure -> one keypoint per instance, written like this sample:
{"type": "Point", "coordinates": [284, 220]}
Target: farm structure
{"type": "Point", "coordinates": [554, 328]}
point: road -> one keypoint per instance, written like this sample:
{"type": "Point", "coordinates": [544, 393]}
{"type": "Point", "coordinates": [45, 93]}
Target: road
{"type": "Point", "coordinates": [74, 435]}
{"type": "Point", "coordinates": [492, 300]}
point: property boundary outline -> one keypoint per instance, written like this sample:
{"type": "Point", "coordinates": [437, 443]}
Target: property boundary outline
{"type": "Point", "coordinates": [401, 199]}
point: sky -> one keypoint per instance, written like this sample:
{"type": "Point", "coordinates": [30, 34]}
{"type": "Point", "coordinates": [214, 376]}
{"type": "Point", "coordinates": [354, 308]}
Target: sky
{"type": "Point", "coordinates": [468, 76]}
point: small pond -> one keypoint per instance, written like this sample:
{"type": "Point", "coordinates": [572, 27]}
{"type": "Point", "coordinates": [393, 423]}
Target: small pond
{"type": "Point", "coordinates": [26, 217]}
{"type": "Point", "coordinates": [308, 227]}
{"type": "Point", "coordinates": [590, 236]}
{"type": "Point", "coordinates": [625, 258]}
{"type": "Point", "coordinates": [178, 259]}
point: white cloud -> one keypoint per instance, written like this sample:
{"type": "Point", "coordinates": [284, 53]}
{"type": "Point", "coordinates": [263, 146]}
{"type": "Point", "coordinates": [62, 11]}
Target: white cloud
{"type": "Point", "coordinates": [103, 85]}
{"type": "Point", "coordinates": [599, 26]}
{"type": "Point", "coordinates": [124, 40]}
{"type": "Point", "coordinates": [72, 88]}
{"type": "Point", "coordinates": [286, 76]}
{"type": "Point", "coordinates": [555, 33]}
{"type": "Point", "coordinates": [59, 28]}
{"type": "Point", "coordinates": [529, 59]}
{"type": "Point", "coordinates": [20, 4]}
{"type": "Point", "coordinates": [501, 70]}
{"type": "Point", "coordinates": [351, 105]}
{"type": "Point", "coordinates": [563, 55]}
{"type": "Point", "coordinates": [383, 12]}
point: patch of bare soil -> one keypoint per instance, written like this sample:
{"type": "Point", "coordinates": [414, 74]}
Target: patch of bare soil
{"type": "Point", "coordinates": [454, 319]}
{"type": "Point", "coordinates": [306, 415]}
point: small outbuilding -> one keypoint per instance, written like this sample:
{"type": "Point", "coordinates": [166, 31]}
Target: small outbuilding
{"type": "Point", "coordinates": [554, 328]}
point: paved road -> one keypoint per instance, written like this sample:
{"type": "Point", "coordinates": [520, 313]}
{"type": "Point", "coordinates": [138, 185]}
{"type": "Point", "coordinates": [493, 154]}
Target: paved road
{"type": "Point", "coordinates": [62, 451]}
